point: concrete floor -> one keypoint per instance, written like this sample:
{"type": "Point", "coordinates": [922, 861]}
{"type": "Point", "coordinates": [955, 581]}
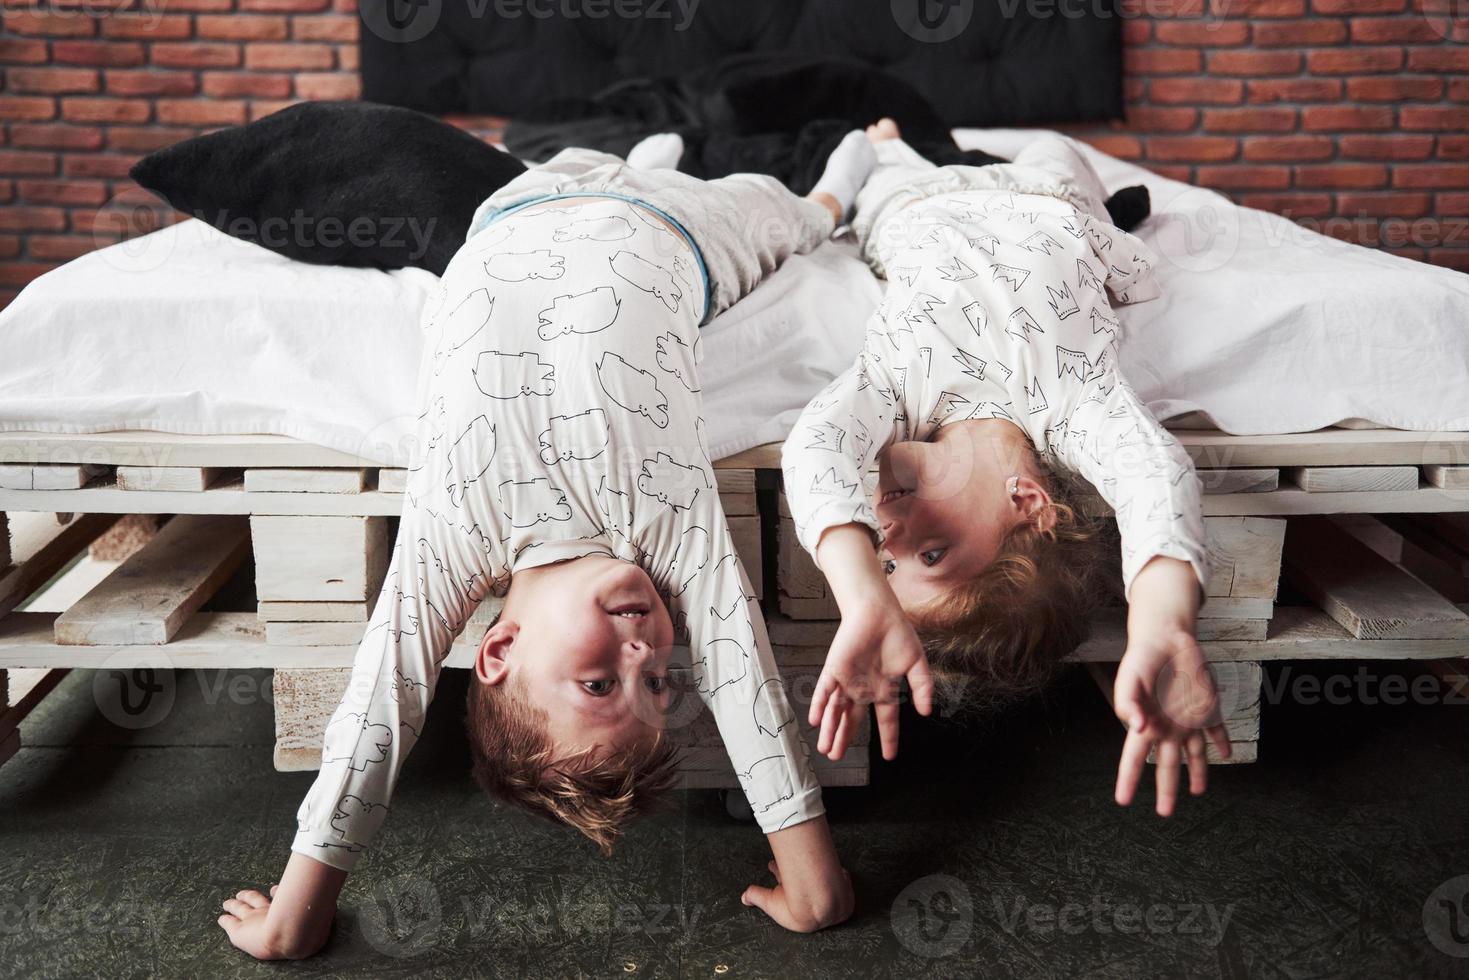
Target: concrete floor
{"type": "Point", "coordinates": [121, 833]}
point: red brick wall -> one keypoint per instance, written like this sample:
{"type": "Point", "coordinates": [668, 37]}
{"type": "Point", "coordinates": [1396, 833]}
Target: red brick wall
{"type": "Point", "coordinates": [1351, 116]}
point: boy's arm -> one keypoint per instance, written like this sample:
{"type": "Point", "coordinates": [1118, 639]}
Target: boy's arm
{"type": "Point", "coordinates": [812, 889]}
{"type": "Point", "coordinates": [294, 921]}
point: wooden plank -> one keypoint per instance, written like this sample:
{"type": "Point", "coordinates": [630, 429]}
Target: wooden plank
{"type": "Point", "coordinates": [9, 745]}
{"type": "Point", "coordinates": [1228, 607]}
{"type": "Point", "coordinates": [14, 707]}
{"type": "Point", "coordinates": [1447, 477]}
{"type": "Point", "coordinates": [314, 634]}
{"type": "Point", "coordinates": [745, 533]}
{"type": "Point", "coordinates": [1288, 503]}
{"type": "Point", "coordinates": [41, 547]}
{"type": "Point", "coordinates": [1353, 479]}
{"type": "Point", "coordinates": [66, 476]}
{"type": "Point", "coordinates": [333, 559]}
{"type": "Point", "coordinates": [315, 612]}
{"type": "Point", "coordinates": [16, 476]}
{"type": "Point", "coordinates": [285, 480]}
{"type": "Point", "coordinates": [304, 701]}
{"type": "Point", "coordinates": [151, 594]}
{"type": "Point", "coordinates": [1240, 480]}
{"type": "Point", "coordinates": [1327, 447]}
{"type": "Point", "coordinates": [4, 542]}
{"type": "Point", "coordinates": [392, 480]}
{"type": "Point", "coordinates": [1368, 595]}
{"type": "Point", "coordinates": [166, 479]}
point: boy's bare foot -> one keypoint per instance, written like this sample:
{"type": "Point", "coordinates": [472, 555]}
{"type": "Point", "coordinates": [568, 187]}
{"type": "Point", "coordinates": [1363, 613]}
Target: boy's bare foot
{"type": "Point", "coordinates": [883, 129]}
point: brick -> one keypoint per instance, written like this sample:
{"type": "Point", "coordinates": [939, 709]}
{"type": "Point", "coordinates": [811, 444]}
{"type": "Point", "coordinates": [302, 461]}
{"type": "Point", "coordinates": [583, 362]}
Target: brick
{"type": "Point", "coordinates": [1396, 147]}
{"type": "Point", "coordinates": [104, 54]}
{"type": "Point", "coordinates": [1192, 149]}
{"type": "Point", "coordinates": [1450, 258]}
{"type": "Point", "coordinates": [21, 273]}
{"type": "Point", "coordinates": [1383, 204]}
{"type": "Point", "coordinates": [347, 58]}
{"type": "Point", "coordinates": [1354, 61]}
{"type": "Point", "coordinates": [1295, 90]}
{"type": "Point", "coordinates": [1287, 149]}
{"type": "Point", "coordinates": [9, 246]}
{"type": "Point", "coordinates": [237, 84]}
{"type": "Point", "coordinates": [233, 27]}
{"type": "Point", "coordinates": [1358, 231]}
{"type": "Point", "coordinates": [1250, 120]}
{"type": "Point", "coordinates": [1156, 120]}
{"type": "Point", "coordinates": [110, 165]}
{"type": "Point", "coordinates": [1396, 88]}
{"type": "Point", "coordinates": [1298, 33]}
{"type": "Point", "coordinates": [1245, 177]}
{"type": "Point", "coordinates": [1326, 119]}
{"type": "Point", "coordinates": [200, 112]}
{"type": "Point", "coordinates": [76, 109]}
{"type": "Point", "coordinates": [62, 191]}
{"type": "Point", "coordinates": [1439, 59]}
{"type": "Point", "coordinates": [289, 56]}
{"type": "Point", "coordinates": [27, 163]}
{"type": "Point", "coordinates": [195, 54]}
{"type": "Point", "coordinates": [7, 192]}
{"type": "Point", "coordinates": [1203, 33]}
{"type": "Point", "coordinates": [13, 52]}
{"type": "Point", "coordinates": [259, 110]}
{"type": "Point", "coordinates": [1459, 89]}
{"type": "Point", "coordinates": [54, 136]}
{"type": "Point", "coordinates": [202, 6]}
{"type": "Point", "coordinates": [1393, 30]}
{"type": "Point", "coordinates": [1162, 61]}
{"type": "Point", "coordinates": [1455, 204]}
{"type": "Point", "coordinates": [286, 6]}
{"type": "Point", "coordinates": [1136, 32]}
{"type": "Point", "coordinates": [344, 85]}
{"type": "Point", "coordinates": [1119, 145]}
{"type": "Point", "coordinates": [32, 219]}
{"type": "Point", "coordinates": [27, 108]}
{"type": "Point", "coordinates": [1258, 8]}
{"type": "Point", "coordinates": [144, 139]}
{"type": "Point", "coordinates": [1450, 118]}
{"type": "Point", "coordinates": [52, 81]}
{"type": "Point", "coordinates": [1342, 175]}
{"type": "Point", "coordinates": [1435, 175]}
{"type": "Point", "coordinates": [62, 247]}
{"type": "Point", "coordinates": [1449, 148]}
{"type": "Point", "coordinates": [333, 27]}
{"type": "Point", "coordinates": [1291, 205]}
{"type": "Point", "coordinates": [1340, 7]}
{"type": "Point", "coordinates": [162, 27]}
{"type": "Point", "coordinates": [151, 83]}
{"type": "Point", "coordinates": [50, 24]}
{"type": "Point", "coordinates": [1197, 91]}
{"type": "Point", "coordinates": [1255, 63]}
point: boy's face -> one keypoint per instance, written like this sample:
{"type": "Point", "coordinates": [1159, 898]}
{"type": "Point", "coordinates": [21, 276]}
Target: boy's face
{"type": "Point", "coordinates": [588, 643]}
{"type": "Point", "coordinates": [944, 508]}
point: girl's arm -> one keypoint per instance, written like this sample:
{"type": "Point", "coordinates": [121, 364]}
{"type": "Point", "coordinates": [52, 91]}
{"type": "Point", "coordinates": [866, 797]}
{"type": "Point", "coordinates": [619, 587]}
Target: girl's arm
{"type": "Point", "coordinates": [295, 920]}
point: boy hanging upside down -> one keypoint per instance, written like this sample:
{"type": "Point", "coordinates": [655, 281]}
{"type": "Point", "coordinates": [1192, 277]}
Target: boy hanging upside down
{"type": "Point", "coordinates": [986, 391]}
{"type": "Point", "coordinates": [563, 467]}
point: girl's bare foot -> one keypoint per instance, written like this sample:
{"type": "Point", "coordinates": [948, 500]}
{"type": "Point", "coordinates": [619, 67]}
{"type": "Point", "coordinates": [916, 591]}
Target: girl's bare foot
{"type": "Point", "coordinates": [883, 129]}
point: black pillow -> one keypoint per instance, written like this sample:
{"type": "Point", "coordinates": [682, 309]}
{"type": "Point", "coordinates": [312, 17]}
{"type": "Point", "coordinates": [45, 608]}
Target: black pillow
{"type": "Point", "coordinates": [335, 183]}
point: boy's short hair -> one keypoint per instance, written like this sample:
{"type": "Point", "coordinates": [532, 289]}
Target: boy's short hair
{"type": "Point", "coordinates": [1011, 626]}
{"type": "Point", "coordinates": [514, 760]}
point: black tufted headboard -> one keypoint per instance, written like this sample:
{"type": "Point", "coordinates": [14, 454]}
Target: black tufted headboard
{"type": "Point", "coordinates": [980, 62]}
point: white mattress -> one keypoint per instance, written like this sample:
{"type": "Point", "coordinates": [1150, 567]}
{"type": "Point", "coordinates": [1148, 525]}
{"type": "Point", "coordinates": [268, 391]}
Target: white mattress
{"type": "Point", "coordinates": [1263, 327]}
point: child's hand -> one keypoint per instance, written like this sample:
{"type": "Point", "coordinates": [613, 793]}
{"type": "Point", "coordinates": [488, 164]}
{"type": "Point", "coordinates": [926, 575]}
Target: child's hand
{"type": "Point", "coordinates": [833, 907]}
{"type": "Point", "coordinates": [246, 920]}
{"type": "Point", "coordinates": [1164, 692]}
{"type": "Point", "coordinates": [812, 889]}
{"type": "Point", "coordinates": [875, 647]}
{"type": "Point", "coordinates": [295, 921]}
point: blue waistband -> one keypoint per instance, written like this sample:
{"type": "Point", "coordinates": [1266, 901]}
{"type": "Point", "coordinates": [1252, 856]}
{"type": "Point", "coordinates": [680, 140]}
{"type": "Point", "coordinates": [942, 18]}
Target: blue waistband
{"type": "Point", "coordinates": [638, 202]}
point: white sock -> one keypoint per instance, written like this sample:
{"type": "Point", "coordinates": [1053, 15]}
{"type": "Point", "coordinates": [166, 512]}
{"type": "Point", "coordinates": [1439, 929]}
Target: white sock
{"type": "Point", "coordinates": [661, 151]}
{"type": "Point", "coordinates": [847, 169]}
{"type": "Point", "coordinates": [896, 153]}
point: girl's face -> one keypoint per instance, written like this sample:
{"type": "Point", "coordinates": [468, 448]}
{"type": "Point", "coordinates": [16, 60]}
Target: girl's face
{"type": "Point", "coordinates": [944, 506]}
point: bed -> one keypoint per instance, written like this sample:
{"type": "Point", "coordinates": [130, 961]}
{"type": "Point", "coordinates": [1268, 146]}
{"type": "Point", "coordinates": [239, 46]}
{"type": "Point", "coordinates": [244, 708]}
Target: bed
{"type": "Point", "coordinates": [1267, 335]}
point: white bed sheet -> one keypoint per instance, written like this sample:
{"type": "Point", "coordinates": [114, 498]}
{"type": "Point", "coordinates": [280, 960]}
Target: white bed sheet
{"type": "Point", "coordinates": [1268, 327]}
{"type": "Point", "coordinates": [188, 330]}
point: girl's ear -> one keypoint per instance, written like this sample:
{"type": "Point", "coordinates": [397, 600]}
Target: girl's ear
{"type": "Point", "coordinates": [1033, 502]}
{"type": "Point", "coordinates": [491, 665]}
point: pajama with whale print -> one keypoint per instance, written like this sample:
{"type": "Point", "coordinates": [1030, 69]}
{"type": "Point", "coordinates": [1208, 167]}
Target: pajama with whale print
{"type": "Point", "coordinates": [563, 420]}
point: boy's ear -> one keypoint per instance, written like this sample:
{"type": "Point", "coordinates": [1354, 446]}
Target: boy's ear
{"type": "Point", "coordinates": [490, 663]}
{"type": "Point", "coordinates": [1033, 502]}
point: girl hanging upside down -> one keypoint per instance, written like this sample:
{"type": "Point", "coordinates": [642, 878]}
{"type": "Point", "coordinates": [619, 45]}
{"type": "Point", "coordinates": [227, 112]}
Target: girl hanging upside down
{"type": "Point", "coordinates": [988, 393]}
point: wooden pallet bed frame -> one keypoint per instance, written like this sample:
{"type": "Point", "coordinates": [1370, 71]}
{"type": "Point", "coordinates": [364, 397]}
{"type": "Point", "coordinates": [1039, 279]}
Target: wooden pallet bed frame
{"type": "Point", "coordinates": [317, 523]}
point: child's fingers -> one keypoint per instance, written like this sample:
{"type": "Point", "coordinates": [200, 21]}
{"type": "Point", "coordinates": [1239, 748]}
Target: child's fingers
{"type": "Point", "coordinates": [235, 907]}
{"type": "Point", "coordinates": [843, 731]}
{"type": "Point", "coordinates": [825, 684]}
{"type": "Point", "coordinates": [1130, 769]}
{"type": "Point", "coordinates": [1198, 765]}
{"type": "Point", "coordinates": [775, 870]}
{"type": "Point", "coordinates": [829, 719]}
{"type": "Point", "coordinates": [272, 890]}
{"type": "Point", "coordinates": [887, 730]}
{"type": "Point", "coordinates": [767, 901]}
{"type": "Point", "coordinates": [1167, 777]}
{"type": "Point", "coordinates": [253, 898]}
{"type": "Point", "coordinates": [920, 681]}
{"type": "Point", "coordinates": [1220, 737]}
{"type": "Point", "coordinates": [227, 922]}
